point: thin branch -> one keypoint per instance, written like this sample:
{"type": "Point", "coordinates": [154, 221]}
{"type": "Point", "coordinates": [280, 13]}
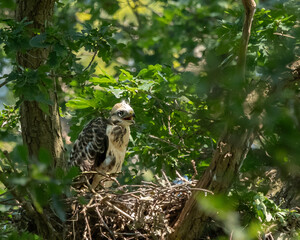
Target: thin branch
{"type": "Point", "coordinates": [181, 177]}
{"type": "Point", "coordinates": [104, 224]}
{"type": "Point", "coordinates": [166, 178]}
{"type": "Point", "coordinates": [195, 169]}
{"type": "Point", "coordinates": [7, 202]}
{"type": "Point", "coordinates": [203, 190]}
{"type": "Point", "coordinates": [119, 210]}
{"type": "Point", "coordinates": [4, 83]}
{"type": "Point", "coordinates": [250, 7]}
{"type": "Point", "coordinates": [2, 194]}
{"type": "Point", "coordinates": [165, 141]}
{"type": "Point", "coordinates": [87, 225]}
{"type": "Point", "coordinates": [93, 58]}
{"type": "Point", "coordinates": [284, 35]}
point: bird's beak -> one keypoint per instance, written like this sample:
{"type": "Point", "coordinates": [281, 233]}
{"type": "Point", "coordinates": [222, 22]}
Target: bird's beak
{"type": "Point", "coordinates": [130, 118]}
{"type": "Point", "coordinates": [133, 117]}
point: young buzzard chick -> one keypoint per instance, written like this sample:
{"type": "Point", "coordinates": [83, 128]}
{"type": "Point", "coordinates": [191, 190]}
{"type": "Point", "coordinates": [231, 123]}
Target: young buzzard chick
{"type": "Point", "coordinates": [102, 144]}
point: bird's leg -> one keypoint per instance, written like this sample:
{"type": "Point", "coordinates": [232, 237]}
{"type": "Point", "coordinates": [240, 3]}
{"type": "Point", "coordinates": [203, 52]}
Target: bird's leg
{"type": "Point", "coordinates": [96, 181]}
{"type": "Point", "coordinates": [102, 168]}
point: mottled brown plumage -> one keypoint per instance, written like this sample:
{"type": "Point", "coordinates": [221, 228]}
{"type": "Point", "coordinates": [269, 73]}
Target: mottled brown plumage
{"type": "Point", "coordinates": [102, 144]}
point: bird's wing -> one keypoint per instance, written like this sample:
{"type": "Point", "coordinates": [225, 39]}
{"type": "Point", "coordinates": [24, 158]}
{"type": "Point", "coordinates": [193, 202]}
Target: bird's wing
{"type": "Point", "coordinates": [89, 150]}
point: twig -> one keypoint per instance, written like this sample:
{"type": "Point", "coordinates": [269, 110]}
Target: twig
{"type": "Point", "coordinates": [4, 83]}
{"type": "Point", "coordinates": [119, 210]}
{"type": "Point", "coordinates": [195, 169]}
{"type": "Point", "coordinates": [129, 234]}
{"type": "Point", "coordinates": [6, 202]}
{"type": "Point", "coordinates": [7, 191]}
{"type": "Point", "coordinates": [269, 236]}
{"type": "Point", "coordinates": [150, 183]}
{"type": "Point", "coordinates": [284, 35]}
{"type": "Point", "coordinates": [166, 178]}
{"type": "Point", "coordinates": [74, 232]}
{"type": "Point", "coordinates": [104, 224]}
{"type": "Point", "coordinates": [169, 125]}
{"type": "Point", "coordinates": [181, 178]}
{"type": "Point", "coordinates": [95, 53]}
{"type": "Point", "coordinates": [202, 189]}
{"type": "Point", "coordinates": [165, 141]}
{"type": "Point", "coordinates": [87, 226]}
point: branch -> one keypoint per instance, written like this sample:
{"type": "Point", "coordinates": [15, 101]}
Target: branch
{"type": "Point", "coordinates": [165, 141]}
{"type": "Point", "coordinates": [95, 53]}
{"type": "Point", "coordinates": [284, 35]}
{"type": "Point", "coordinates": [104, 223]}
{"type": "Point", "coordinates": [4, 83]}
{"type": "Point", "coordinates": [250, 7]}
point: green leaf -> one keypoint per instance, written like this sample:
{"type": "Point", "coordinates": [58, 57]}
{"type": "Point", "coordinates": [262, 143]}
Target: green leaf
{"type": "Point", "coordinates": [45, 108]}
{"type": "Point", "coordinates": [7, 4]}
{"type": "Point", "coordinates": [116, 92]}
{"type": "Point", "coordinates": [83, 200]}
{"type": "Point", "coordinates": [73, 172]}
{"type": "Point", "coordinates": [81, 103]}
{"type": "Point", "coordinates": [21, 181]}
{"type": "Point", "coordinates": [45, 156]}
{"type": "Point", "coordinates": [22, 153]}
{"type": "Point", "coordinates": [59, 208]}
{"type": "Point", "coordinates": [125, 75]}
{"type": "Point", "coordinates": [146, 85]}
{"type": "Point", "coordinates": [38, 41]}
{"type": "Point", "coordinates": [102, 80]}
{"type": "Point", "coordinates": [99, 95]}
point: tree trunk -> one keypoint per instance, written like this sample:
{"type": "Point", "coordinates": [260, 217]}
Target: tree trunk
{"type": "Point", "coordinates": [39, 130]}
{"type": "Point", "coordinates": [231, 150]}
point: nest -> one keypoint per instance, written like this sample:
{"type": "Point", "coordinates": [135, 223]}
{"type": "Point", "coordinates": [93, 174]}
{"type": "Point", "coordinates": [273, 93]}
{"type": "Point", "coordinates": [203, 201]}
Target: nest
{"type": "Point", "coordinates": [146, 211]}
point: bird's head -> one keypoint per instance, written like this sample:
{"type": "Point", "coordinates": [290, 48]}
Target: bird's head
{"type": "Point", "coordinates": [122, 114]}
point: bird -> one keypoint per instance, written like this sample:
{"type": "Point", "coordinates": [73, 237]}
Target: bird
{"type": "Point", "coordinates": [101, 146]}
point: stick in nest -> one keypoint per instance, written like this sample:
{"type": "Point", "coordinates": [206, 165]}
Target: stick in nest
{"type": "Point", "coordinates": [105, 225]}
{"type": "Point", "coordinates": [87, 226]}
{"type": "Point", "coordinates": [195, 169]}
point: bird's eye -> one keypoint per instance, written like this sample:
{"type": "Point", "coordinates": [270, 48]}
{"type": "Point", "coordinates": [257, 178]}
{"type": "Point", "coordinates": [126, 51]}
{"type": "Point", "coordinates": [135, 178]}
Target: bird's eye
{"type": "Point", "coordinates": [120, 113]}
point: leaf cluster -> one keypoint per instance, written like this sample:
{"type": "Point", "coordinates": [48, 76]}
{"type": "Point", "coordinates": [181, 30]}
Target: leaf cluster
{"type": "Point", "coordinates": [34, 180]}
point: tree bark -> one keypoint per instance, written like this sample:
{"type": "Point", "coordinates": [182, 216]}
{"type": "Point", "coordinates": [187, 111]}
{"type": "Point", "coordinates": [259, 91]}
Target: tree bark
{"type": "Point", "coordinates": [232, 148]}
{"type": "Point", "coordinates": [39, 130]}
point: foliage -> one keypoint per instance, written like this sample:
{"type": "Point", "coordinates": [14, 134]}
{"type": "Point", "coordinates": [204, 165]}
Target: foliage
{"type": "Point", "coordinates": [258, 215]}
{"type": "Point", "coordinates": [9, 118]}
{"type": "Point", "coordinates": [31, 180]}
{"type": "Point", "coordinates": [175, 62]}
{"type": "Point", "coordinates": [165, 128]}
